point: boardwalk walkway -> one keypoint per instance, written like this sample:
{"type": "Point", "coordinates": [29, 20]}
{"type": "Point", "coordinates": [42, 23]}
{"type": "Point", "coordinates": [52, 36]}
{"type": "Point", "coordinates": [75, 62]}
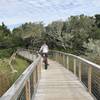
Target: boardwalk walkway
{"type": "Point", "coordinates": [57, 83]}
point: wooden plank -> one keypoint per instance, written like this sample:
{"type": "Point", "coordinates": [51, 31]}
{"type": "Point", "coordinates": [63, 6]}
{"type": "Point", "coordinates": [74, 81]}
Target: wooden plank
{"type": "Point", "coordinates": [57, 83]}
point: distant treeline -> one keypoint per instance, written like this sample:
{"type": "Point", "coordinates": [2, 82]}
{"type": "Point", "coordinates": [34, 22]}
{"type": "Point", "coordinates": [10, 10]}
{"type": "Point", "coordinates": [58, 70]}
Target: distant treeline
{"type": "Point", "coordinates": [78, 34]}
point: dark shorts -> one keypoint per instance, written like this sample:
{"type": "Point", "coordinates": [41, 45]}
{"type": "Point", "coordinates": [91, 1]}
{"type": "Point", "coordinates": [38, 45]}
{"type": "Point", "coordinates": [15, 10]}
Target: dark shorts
{"type": "Point", "coordinates": [46, 54]}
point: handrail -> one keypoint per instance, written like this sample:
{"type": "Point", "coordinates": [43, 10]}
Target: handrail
{"type": "Point", "coordinates": [26, 83]}
{"type": "Point", "coordinates": [86, 71]}
{"type": "Point", "coordinates": [81, 59]}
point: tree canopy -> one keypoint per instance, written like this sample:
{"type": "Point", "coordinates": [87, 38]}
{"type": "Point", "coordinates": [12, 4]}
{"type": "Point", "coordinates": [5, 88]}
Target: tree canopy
{"type": "Point", "coordinates": [69, 35]}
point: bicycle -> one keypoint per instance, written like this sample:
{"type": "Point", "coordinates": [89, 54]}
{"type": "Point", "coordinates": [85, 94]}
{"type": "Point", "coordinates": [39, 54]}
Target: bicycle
{"type": "Point", "coordinates": [44, 55]}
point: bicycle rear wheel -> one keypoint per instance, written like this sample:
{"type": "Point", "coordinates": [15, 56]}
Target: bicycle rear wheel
{"type": "Point", "coordinates": [46, 66]}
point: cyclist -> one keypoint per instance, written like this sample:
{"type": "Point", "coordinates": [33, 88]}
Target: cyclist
{"type": "Point", "coordinates": [44, 50]}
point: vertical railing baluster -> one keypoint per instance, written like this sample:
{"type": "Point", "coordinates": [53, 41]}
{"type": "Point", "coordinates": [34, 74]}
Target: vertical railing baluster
{"type": "Point", "coordinates": [74, 66]}
{"type": "Point", "coordinates": [36, 74]}
{"type": "Point", "coordinates": [40, 66]}
{"type": "Point", "coordinates": [59, 57]}
{"type": "Point", "coordinates": [63, 59]}
{"type": "Point", "coordinates": [39, 70]}
{"type": "Point", "coordinates": [27, 89]}
{"type": "Point", "coordinates": [33, 81]}
{"type": "Point", "coordinates": [80, 71]}
{"type": "Point", "coordinates": [89, 78]}
{"type": "Point", "coordinates": [68, 62]}
{"type": "Point", "coordinates": [56, 56]}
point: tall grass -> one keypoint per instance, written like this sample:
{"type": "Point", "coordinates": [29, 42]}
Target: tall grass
{"type": "Point", "coordinates": [7, 78]}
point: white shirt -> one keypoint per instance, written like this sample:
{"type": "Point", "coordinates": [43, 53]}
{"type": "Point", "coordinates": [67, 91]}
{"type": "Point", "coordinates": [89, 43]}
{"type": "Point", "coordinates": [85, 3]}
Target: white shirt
{"type": "Point", "coordinates": [44, 48]}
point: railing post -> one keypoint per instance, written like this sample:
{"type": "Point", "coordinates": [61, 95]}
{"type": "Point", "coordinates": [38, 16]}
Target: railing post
{"type": "Point", "coordinates": [67, 62]}
{"type": "Point", "coordinates": [63, 60]}
{"type": "Point", "coordinates": [60, 57]}
{"type": "Point", "coordinates": [39, 69]}
{"type": "Point", "coordinates": [89, 78]}
{"type": "Point", "coordinates": [75, 66]}
{"type": "Point", "coordinates": [35, 79]}
{"type": "Point", "coordinates": [56, 56]}
{"type": "Point", "coordinates": [27, 89]}
{"type": "Point", "coordinates": [36, 74]}
{"type": "Point", "coordinates": [80, 71]}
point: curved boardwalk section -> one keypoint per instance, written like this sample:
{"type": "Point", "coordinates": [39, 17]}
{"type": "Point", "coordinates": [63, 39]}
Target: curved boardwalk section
{"type": "Point", "coordinates": [57, 83]}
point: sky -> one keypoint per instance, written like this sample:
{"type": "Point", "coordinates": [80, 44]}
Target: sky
{"type": "Point", "coordinates": [16, 12]}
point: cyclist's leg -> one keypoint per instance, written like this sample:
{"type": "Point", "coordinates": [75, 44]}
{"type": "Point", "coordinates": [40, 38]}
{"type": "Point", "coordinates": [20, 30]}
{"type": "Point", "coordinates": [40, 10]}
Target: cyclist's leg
{"type": "Point", "coordinates": [43, 56]}
{"type": "Point", "coordinates": [47, 59]}
{"type": "Point", "coordinates": [46, 64]}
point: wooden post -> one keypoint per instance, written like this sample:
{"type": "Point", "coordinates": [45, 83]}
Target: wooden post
{"type": "Point", "coordinates": [75, 66]}
{"type": "Point", "coordinates": [34, 79]}
{"type": "Point", "coordinates": [36, 74]}
{"type": "Point", "coordinates": [89, 78]}
{"type": "Point", "coordinates": [80, 71]}
{"type": "Point", "coordinates": [63, 60]}
{"type": "Point", "coordinates": [60, 57]}
{"type": "Point", "coordinates": [27, 90]}
{"type": "Point", "coordinates": [67, 62]}
{"type": "Point", "coordinates": [56, 57]}
{"type": "Point", "coordinates": [39, 70]}
{"type": "Point", "coordinates": [40, 66]}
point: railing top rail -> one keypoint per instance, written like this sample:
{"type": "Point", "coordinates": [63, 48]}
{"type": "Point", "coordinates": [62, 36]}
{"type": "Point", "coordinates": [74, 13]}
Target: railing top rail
{"type": "Point", "coordinates": [17, 87]}
{"type": "Point", "coordinates": [80, 58]}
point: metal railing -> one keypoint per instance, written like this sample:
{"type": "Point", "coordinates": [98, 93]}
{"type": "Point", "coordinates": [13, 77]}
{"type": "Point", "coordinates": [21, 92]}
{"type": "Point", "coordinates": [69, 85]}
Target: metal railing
{"type": "Point", "coordinates": [25, 86]}
{"type": "Point", "coordinates": [87, 72]}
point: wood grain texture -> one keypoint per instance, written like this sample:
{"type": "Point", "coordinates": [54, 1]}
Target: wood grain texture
{"type": "Point", "coordinates": [57, 83]}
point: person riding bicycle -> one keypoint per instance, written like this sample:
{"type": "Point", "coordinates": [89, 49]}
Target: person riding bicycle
{"type": "Point", "coordinates": [44, 50]}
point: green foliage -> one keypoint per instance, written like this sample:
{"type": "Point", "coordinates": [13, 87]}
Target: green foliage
{"type": "Point", "coordinates": [5, 53]}
{"type": "Point", "coordinates": [31, 33]}
{"type": "Point", "coordinates": [97, 16]}
{"type": "Point", "coordinates": [8, 41]}
{"type": "Point", "coordinates": [29, 30]}
{"type": "Point", "coordinates": [68, 36]}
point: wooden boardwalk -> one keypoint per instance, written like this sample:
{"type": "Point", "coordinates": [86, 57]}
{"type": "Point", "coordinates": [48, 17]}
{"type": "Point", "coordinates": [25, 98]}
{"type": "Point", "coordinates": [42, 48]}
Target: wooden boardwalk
{"type": "Point", "coordinates": [57, 83]}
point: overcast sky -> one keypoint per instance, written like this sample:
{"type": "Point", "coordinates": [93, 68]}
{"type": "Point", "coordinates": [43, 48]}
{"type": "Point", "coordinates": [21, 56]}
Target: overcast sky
{"type": "Point", "coordinates": [16, 12]}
